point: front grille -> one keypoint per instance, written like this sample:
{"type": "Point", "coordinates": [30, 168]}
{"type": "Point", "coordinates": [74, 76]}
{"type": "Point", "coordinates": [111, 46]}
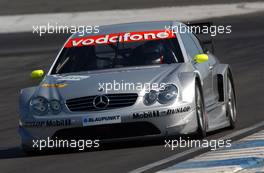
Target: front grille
{"type": "Point", "coordinates": [115, 101]}
{"type": "Point", "coordinates": [108, 131]}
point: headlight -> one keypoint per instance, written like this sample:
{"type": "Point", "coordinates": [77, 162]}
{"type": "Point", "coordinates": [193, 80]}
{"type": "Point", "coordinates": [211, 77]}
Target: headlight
{"type": "Point", "coordinates": [167, 94]}
{"type": "Point", "coordinates": [55, 106]}
{"type": "Point", "coordinates": [39, 105]}
{"type": "Point", "coordinates": [150, 98]}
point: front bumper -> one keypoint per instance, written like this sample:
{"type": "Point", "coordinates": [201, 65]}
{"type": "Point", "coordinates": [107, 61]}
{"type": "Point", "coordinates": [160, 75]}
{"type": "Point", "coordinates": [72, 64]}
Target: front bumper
{"type": "Point", "coordinates": [112, 125]}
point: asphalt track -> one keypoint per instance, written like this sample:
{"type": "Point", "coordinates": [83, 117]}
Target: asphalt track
{"type": "Point", "coordinates": [51, 6]}
{"type": "Point", "coordinates": [21, 53]}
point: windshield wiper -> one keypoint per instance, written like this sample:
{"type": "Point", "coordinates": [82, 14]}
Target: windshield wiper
{"type": "Point", "coordinates": [60, 66]}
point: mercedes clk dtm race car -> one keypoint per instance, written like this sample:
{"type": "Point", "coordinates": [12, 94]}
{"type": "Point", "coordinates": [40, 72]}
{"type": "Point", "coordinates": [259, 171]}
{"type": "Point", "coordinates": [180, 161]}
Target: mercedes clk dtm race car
{"type": "Point", "coordinates": [129, 81]}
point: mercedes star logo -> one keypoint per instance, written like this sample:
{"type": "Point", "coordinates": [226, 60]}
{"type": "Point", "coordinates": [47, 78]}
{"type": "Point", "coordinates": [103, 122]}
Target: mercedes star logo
{"type": "Point", "coordinates": [100, 102]}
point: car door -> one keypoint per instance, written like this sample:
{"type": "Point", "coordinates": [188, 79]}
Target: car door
{"type": "Point", "coordinates": [212, 74]}
{"type": "Point", "coordinates": [212, 62]}
{"type": "Point", "coordinates": [193, 47]}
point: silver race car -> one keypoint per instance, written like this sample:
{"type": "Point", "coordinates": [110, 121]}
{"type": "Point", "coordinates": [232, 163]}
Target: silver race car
{"type": "Point", "coordinates": [130, 81]}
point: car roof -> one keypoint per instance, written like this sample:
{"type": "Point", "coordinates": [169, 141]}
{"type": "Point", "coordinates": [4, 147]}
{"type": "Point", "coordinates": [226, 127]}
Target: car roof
{"type": "Point", "coordinates": [129, 27]}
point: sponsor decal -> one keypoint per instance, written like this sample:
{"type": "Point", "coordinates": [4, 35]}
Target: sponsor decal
{"type": "Point", "coordinates": [46, 85]}
{"type": "Point", "coordinates": [178, 110]}
{"type": "Point", "coordinates": [157, 113]}
{"type": "Point", "coordinates": [72, 78]}
{"type": "Point", "coordinates": [48, 123]}
{"type": "Point", "coordinates": [89, 121]}
{"type": "Point", "coordinates": [151, 114]}
{"type": "Point", "coordinates": [120, 37]}
{"type": "Point", "coordinates": [34, 124]}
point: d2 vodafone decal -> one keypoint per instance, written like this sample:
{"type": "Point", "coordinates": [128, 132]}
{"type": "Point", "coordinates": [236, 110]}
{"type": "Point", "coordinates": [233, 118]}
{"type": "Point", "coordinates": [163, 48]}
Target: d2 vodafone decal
{"type": "Point", "coordinates": [121, 37]}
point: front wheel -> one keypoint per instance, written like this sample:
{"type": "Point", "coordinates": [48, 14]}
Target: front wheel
{"type": "Point", "coordinates": [231, 103]}
{"type": "Point", "coordinates": [200, 112]}
{"type": "Point", "coordinates": [30, 151]}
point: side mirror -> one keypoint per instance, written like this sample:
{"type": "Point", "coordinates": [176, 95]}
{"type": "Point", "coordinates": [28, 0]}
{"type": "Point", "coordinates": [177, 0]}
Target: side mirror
{"type": "Point", "coordinates": [37, 74]}
{"type": "Point", "coordinates": [201, 58]}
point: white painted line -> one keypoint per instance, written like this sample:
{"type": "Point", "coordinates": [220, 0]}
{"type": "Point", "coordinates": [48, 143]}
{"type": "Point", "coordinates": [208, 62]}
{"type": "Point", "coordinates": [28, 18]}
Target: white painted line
{"type": "Point", "coordinates": [227, 169]}
{"type": "Point", "coordinates": [23, 23]}
{"type": "Point", "coordinates": [193, 150]}
{"type": "Point", "coordinates": [235, 151]}
{"type": "Point", "coordinates": [244, 155]}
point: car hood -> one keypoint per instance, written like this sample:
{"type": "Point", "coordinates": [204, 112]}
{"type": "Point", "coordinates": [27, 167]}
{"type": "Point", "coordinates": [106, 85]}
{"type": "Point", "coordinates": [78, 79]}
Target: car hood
{"type": "Point", "coordinates": [76, 85]}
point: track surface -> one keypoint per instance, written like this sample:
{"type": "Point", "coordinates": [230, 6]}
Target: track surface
{"type": "Point", "coordinates": [21, 53]}
{"type": "Point", "coordinates": [51, 6]}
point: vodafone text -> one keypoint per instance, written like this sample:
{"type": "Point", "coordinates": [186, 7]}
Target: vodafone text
{"type": "Point", "coordinates": [120, 37]}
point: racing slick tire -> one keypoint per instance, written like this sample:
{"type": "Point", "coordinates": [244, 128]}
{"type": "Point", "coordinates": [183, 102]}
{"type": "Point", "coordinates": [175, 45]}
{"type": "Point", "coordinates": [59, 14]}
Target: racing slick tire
{"type": "Point", "coordinates": [231, 111]}
{"type": "Point", "coordinates": [200, 111]}
{"type": "Point", "coordinates": [30, 151]}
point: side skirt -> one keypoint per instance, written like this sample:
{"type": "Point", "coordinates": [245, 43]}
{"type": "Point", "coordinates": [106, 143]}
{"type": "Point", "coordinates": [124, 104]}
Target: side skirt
{"type": "Point", "coordinates": [217, 117]}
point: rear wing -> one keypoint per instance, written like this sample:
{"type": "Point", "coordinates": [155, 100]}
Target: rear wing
{"type": "Point", "coordinates": [205, 39]}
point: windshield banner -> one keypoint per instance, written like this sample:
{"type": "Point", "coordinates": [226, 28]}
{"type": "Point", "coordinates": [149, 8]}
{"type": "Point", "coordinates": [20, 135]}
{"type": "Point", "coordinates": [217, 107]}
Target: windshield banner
{"type": "Point", "coordinates": [120, 37]}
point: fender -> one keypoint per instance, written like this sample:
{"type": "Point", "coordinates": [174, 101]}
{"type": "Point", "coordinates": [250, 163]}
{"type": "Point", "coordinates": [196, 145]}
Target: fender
{"type": "Point", "coordinates": [187, 81]}
{"type": "Point", "coordinates": [24, 99]}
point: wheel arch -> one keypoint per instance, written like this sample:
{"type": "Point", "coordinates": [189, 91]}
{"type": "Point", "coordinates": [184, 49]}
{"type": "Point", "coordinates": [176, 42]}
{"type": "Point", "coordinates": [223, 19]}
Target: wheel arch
{"type": "Point", "coordinates": [223, 71]}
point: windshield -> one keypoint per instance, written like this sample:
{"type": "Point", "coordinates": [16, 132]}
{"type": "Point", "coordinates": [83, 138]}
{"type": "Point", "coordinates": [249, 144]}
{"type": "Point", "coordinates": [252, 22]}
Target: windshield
{"type": "Point", "coordinates": [117, 55]}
